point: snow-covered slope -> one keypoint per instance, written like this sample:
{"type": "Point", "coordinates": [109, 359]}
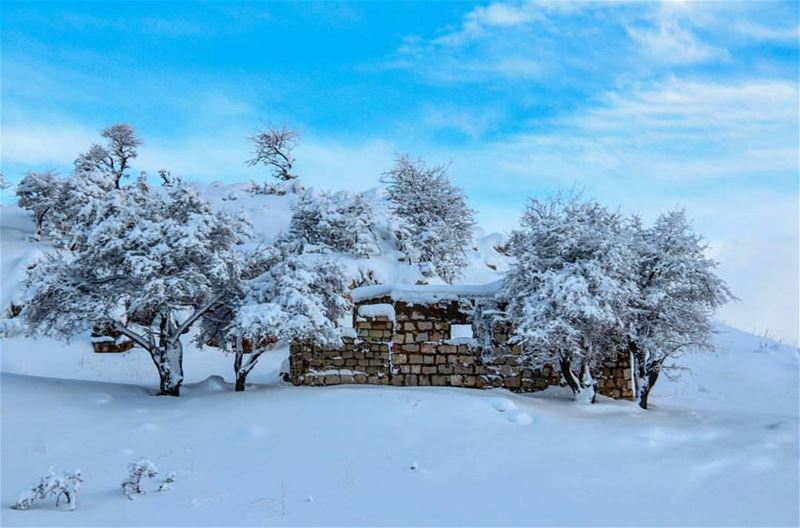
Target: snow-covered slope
{"type": "Point", "coordinates": [719, 447]}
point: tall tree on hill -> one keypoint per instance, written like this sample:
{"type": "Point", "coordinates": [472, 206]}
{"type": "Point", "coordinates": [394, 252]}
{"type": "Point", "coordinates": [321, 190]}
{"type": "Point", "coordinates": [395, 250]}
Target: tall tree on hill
{"type": "Point", "coordinates": [433, 214]}
{"type": "Point", "coordinates": [113, 159]}
{"type": "Point", "coordinates": [147, 264]}
{"type": "Point", "coordinates": [678, 291]}
{"type": "Point", "coordinates": [273, 148]}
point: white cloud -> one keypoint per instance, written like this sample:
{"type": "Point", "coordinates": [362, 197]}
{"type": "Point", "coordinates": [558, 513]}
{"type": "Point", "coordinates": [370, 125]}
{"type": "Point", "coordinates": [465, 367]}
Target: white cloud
{"type": "Point", "coordinates": [669, 42]}
{"type": "Point", "coordinates": [44, 143]}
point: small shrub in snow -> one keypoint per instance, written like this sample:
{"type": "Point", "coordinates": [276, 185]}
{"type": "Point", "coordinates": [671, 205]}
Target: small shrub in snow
{"type": "Point", "coordinates": [166, 484]}
{"type": "Point", "coordinates": [64, 486]}
{"type": "Point", "coordinates": [276, 189]}
{"type": "Point", "coordinates": [138, 469]}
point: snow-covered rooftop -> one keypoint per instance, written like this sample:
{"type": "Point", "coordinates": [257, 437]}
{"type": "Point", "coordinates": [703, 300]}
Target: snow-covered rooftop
{"type": "Point", "coordinates": [425, 294]}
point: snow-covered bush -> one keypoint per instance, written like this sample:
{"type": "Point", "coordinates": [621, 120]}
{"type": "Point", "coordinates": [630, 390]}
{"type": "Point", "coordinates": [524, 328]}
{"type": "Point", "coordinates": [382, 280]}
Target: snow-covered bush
{"type": "Point", "coordinates": [64, 486]}
{"type": "Point", "coordinates": [569, 291]}
{"type": "Point", "coordinates": [288, 296]}
{"type": "Point", "coordinates": [677, 293]}
{"type": "Point", "coordinates": [167, 483]}
{"type": "Point", "coordinates": [147, 263]}
{"type": "Point", "coordinates": [137, 470]}
{"type": "Point", "coordinates": [277, 189]}
{"type": "Point", "coordinates": [338, 222]}
{"type": "Point", "coordinates": [436, 222]}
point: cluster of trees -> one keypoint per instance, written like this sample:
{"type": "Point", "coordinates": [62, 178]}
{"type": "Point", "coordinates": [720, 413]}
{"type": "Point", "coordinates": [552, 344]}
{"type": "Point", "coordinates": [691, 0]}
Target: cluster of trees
{"type": "Point", "coordinates": [590, 283]}
{"type": "Point", "coordinates": [150, 263]}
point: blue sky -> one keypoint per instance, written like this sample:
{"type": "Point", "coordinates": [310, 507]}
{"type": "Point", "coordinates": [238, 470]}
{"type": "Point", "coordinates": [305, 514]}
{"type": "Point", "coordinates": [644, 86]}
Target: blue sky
{"type": "Point", "coordinates": [645, 106]}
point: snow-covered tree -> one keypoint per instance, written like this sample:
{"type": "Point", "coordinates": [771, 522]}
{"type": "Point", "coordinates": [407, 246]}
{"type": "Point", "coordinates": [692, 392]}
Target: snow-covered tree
{"type": "Point", "coordinates": [137, 470]}
{"type": "Point", "coordinates": [148, 263]}
{"type": "Point", "coordinates": [435, 220]}
{"type": "Point", "coordinates": [56, 203]}
{"type": "Point", "coordinates": [40, 193]}
{"type": "Point", "coordinates": [338, 222]}
{"type": "Point", "coordinates": [273, 148]}
{"type": "Point", "coordinates": [286, 297]}
{"type": "Point", "coordinates": [64, 486]}
{"type": "Point", "coordinates": [113, 159]}
{"type": "Point", "coordinates": [678, 291]}
{"type": "Point", "coordinates": [570, 287]}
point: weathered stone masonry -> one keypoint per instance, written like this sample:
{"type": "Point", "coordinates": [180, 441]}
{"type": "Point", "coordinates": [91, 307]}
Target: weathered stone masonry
{"type": "Point", "coordinates": [403, 335]}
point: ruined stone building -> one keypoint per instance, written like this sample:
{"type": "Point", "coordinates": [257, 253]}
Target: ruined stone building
{"type": "Point", "coordinates": [410, 335]}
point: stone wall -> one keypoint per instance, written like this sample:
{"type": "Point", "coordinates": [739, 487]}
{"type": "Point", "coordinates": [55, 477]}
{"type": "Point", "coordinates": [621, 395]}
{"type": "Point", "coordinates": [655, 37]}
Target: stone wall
{"type": "Point", "coordinates": [404, 343]}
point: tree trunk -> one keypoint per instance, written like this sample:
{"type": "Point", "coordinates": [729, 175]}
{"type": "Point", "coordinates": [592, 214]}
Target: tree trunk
{"type": "Point", "coordinates": [652, 377]}
{"type": "Point", "coordinates": [241, 378]}
{"type": "Point", "coordinates": [169, 361]}
{"type": "Point", "coordinates": [569, 376]}
{"type": "Point", "coordinates": [581, 383]}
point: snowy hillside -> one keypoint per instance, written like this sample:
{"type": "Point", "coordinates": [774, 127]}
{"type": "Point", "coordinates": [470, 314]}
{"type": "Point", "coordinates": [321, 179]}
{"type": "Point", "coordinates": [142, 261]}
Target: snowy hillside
{"type": "Point", "coordinates": [719, 447]}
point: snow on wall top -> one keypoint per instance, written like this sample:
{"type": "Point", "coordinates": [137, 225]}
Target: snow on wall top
{"type": "Point", "coordinates": [425, 294]}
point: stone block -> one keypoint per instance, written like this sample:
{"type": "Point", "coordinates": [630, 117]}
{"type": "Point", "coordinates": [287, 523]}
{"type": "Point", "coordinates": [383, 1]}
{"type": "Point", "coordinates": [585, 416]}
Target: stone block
{"type": "Point", "coordinates": [425, 325]}
{"type": "Point", "coordinates": [428, 369]}
{"type": "Point", "coordinates": [456, 380]}
{"type": "Point", "coordinates": [415, 359]}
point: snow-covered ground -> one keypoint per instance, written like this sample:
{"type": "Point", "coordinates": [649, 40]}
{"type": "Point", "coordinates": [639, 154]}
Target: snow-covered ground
{"type": "Point", "coordinates": [719, 447]}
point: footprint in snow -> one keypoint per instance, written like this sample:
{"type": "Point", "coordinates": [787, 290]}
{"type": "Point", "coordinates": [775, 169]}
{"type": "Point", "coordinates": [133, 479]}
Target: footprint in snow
{"type": "Point", "coordinates": [510, 411]}
{"type": "Point", "coordinates": [503, 404]}
{"type": "Point", "coordinates": [519, 417]}
{"type": "Point", "coordinates": [102, 398]}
